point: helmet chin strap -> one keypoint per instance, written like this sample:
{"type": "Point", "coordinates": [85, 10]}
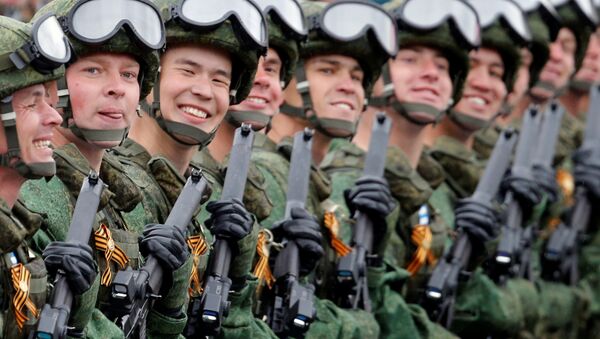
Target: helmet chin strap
{"type": "Point", "coordinates": [468, 122]}
{"type": "Point", "coordinates": [87, 134]}
{"type": "Point", "coordinates": [237, 118]}
{"type": "Point", "coordinates": [174, 129]}
{"type": "Point", "coordinates": [323, 125]}
{"type": "Point", "coordinates": [12, 158]}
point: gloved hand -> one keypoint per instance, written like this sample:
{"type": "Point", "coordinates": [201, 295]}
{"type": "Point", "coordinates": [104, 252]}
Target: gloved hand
{"type": "Point", "coordinates": [479, 221]}
{"type": "Point", "coordinates": [167, 243]}
{"type": "Point", "coordinates": [76, 260]}
{"type": "Point", "coordinates": [229, 220]}
{"type": "Point", "coordinates": [546, 178]}
{"type": "Point", "coordinates": [371, 195]}
{"type": "Point", "coordinates": [304, 229]}
{"type": "Point", "coordinates": [524, 189]}
{"type": "Point", "coordinates": [588, 176]}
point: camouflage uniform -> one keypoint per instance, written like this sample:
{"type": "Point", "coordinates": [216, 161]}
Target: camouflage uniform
{"type": "Point", "coordinates": [272, 161]}
{"type": "Point", "coordinates": [344, 164]}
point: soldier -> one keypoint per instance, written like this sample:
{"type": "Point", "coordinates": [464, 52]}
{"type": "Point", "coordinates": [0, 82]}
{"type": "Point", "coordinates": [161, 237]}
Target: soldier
{"type": "Point", "coordinates": [205, 68]}
{"type": "Point", "coordinates": [111, 69]}
{"type": "Point", "coordinates": [28, 92]}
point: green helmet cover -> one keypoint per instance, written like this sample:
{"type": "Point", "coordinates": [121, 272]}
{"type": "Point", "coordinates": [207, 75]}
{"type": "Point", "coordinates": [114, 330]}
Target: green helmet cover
{"type": "Point", "coordinates": [497, 38]}
{"type": "Point", "coordinates": [14, 34]}
{"type": "Point", "coordinates": [286, 47]}
{"type": "Point", "coordinates": [574, 21]}
{"type": "Point", "coordinates": [539, 46]}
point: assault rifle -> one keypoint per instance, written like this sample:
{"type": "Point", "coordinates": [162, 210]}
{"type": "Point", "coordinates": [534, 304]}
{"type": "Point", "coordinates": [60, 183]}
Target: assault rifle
{"type": "Point", "coordinates": [542, 158]}
{"type": "Point", "coordinates": [560, 260]}
{"type": "Point", "coordinates": [206, 314]}
{"type": "Point", "coordinates": [292, 310]}
{"type": "Point", "coordinates": [53, 321]}
{"type": "Point", "coordinates": [440, 292]}
{"type": "Point", "coordinates": [352, 268]}
{"type": "Point", "coordinates": [134, 291]}
{"type": "Point", "coordinates": [504, 263]}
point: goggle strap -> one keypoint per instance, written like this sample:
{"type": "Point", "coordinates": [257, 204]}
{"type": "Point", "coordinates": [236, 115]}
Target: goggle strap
{"type": "Point", "coordinates": [20, 58]}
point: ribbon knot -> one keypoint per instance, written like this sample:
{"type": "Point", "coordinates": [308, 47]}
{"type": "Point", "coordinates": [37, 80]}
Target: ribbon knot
{"type": "Point", "coordinates": [112, 252]}
{"type": "Point", "coordinates": [262, 270]}
{"type": "Point", "coordinates": [333, 226]}
{"type": "Point", "coordinates": [20, 281]}
{"type": "Point", "coordinates": [421, 236]}
{"type": "Point", "coordinates": [198, 247]}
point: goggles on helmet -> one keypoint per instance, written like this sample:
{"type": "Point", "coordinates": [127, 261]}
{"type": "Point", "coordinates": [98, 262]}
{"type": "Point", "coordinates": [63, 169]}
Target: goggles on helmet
{"type": "Point", "coordinates": [430, 14]}
{"type": "Point", "coordinates": [506, 11]}
{"type": "Point", "coordinates": [47, 49]}
{"type": "Point", "coordinates": [585, 7]}
{"type": "Point", "coordinates": [211, 13]}
{"type": "Point", "coordinates": [96, 21]}
{"type": "Point", "coordinates": [289, 12]}
{"type": "Point", "coordinates": [335, 23]}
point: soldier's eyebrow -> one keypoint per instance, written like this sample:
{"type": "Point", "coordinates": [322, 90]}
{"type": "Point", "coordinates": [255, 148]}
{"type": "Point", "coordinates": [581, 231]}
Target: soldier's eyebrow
{"type": "Point", "coordinates": [185, 61]}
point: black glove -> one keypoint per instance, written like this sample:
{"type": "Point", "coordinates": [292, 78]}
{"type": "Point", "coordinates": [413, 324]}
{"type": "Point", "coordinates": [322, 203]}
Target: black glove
{"type": "Point", "coordinates": [478, 221]}
{"type": "Point", "coordinates": [588, 176]}
{"type": "Point", "coordinates": [304, 229]}
{"type": "Point", "coordinates": [524, 189]}
{"type": "Point", "coordinates": [546, 178]}
{"type": "Point", "coordinates": [75, 260]}
{"type": "Point", "coordinates": [229, 219]}
{"type": "Point", "coordinates": [167, 243]}
{"type": "Point", "coordinates": [371, 195]}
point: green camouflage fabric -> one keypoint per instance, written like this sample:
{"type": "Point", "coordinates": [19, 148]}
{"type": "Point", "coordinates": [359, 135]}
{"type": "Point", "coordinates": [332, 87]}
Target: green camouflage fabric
{"type": "Point", "coordinates": [119, 209]}
{"type": "Point", "coordinates": [14, 34]}
{"type": "Point", "coordinates": [273, 161]}
{"type": "Point", "coordinates": [430, 170]}
{"type": "Point", "coordinates": [286, 47]}
{"type": "Point", "coordinates": [485, 139]}
{"type": "Point", "coordinates": [255, 198]}
{"type": "Point", "coordinates": [344, 164]}
{"type": "Point", "coordinates": [460, 165]}
{"type": "Point", "coordinates": [570, 137]}
{"type": "Point", "coordinates": [121, 42]}
{"type": "Point", "coordinates": [590, 273]}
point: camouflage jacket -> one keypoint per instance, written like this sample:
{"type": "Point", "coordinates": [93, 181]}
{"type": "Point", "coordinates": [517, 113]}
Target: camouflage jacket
{"type": "Point", "coordinates": [120, 218]}
{"type": "Point", "coordinates": [273, 162]}
{"type": "Point", "coordinates": [163, 186]}
{"type": "Point", "coordinates": [344, 164]}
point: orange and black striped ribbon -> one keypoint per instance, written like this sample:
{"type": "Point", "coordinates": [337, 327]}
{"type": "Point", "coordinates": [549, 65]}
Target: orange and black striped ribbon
{"type": "Point", "coordinates": [421, 237]}
{"type": "Point", "coordinates": [333, 226]}
{"type": "Point", "coordinates": [112, 252]}
{"type": "Point", "coordinates": [20, 281]}
{"type": "Point", "coordinates": [566, 182]}
{"type": "Point", "coordinates": [262, 270]}
{"type": "Point", "coordinates": [198, 247]}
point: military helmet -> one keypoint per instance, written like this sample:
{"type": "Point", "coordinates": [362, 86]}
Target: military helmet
{"type": "Point", "coordinates": [14, 35]}
{"type": "Point", "coordinates": [286, 47]}
{"type": "Point", "coordinates": [226, 36]}
{"type": "Point", "coordinates": [365, 49]}
{"type": "Point", "coordinates": [123, 41]}
{"type": "Point", "coordinates": [581, 18]}
{"type": "Point", "coordinates": [441, 38]}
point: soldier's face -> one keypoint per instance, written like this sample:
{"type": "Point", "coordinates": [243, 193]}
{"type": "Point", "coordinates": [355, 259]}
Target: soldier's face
{"type": "Point", "coordinates": [590, 69]}
{"type": "Point", "coordinates": [104, 91]}
{"type": "Point", "coordinates": [522, 81]}
{"type": "Point", "coordinates": [421, 75]}
{"type": "Point", "coordinates": [336, 88]}
{"type": "Point", "coordinates": [35, 121]}
{"type": "Point", "coordinates": [561, 65]}
{"type": "Point", "coordinates": [266, 95]}
{"type": "Point", "coordinates": [484, 89]}
{"type": "Point", "coordinates": [194, 86]}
